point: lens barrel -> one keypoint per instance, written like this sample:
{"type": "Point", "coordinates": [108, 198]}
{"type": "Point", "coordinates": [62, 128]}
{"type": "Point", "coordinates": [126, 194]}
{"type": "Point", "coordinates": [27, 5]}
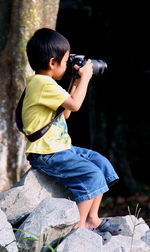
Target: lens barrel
{"type": "Point", "coordinates": [99, 66]}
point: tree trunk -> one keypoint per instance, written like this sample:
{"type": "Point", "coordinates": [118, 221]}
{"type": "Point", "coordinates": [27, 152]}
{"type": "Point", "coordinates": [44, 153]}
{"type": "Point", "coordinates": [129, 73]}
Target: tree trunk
{"type": "Point", "coordinates": [19, 20]}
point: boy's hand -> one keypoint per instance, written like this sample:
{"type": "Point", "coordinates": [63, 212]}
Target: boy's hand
{"type": "Point", "coordinates": [78, 92]}
{"type": "Point", "coordinates": [86, 71]}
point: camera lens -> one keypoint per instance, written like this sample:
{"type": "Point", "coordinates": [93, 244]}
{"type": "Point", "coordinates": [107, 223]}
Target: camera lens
{"type": "Point", "coordinates": [99, 66]}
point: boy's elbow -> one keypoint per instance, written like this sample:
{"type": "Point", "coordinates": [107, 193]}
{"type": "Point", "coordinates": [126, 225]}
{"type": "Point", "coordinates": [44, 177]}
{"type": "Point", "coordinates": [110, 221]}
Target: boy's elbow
{"type": "Point", "coordinates": [71, 104]}
{"type": "Point", "coordinates": [67, 116]}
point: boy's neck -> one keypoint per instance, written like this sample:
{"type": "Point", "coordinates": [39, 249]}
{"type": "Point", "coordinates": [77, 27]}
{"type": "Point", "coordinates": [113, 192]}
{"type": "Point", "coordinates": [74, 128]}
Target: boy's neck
{"type": "Point", "coordinates": [44, 72]}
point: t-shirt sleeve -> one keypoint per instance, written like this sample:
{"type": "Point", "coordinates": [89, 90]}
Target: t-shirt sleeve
{"type": "Point", "coordinates": [53, 95]}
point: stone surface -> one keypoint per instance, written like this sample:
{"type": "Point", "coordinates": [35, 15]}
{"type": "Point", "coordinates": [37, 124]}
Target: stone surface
{"type": "Point", "coordinates": [53, 218]}
{"type": "Point", "coordinates": [122, 243]}
{"type": "Point", "coordinates": [20, 200]}
{"type": "Point", "coordinates": [6, 234]}
{"type": "Point", "coordinates": [81, 240]}
{"type": "Point", "coordinates": [146, 237]}
{"type": "Point", "coordinates": [130, 240]}
{"type": "Point", "coordinates": [128, 222]}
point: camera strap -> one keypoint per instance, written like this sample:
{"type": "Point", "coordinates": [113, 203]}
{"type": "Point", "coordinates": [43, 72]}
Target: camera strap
{"type": "Point", "coordinates": [39, 133]}
{"type": "Point", "coordinates": [74, 77]}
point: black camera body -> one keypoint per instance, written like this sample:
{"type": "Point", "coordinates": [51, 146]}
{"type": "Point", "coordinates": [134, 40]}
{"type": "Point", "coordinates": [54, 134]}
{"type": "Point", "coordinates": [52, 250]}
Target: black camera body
{"type": "Point", "coordinates": [99, 66]}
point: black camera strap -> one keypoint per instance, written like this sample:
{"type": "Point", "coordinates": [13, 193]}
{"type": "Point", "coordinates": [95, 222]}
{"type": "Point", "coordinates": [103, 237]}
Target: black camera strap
{"type": "Point", "coordinates": [39, 133]}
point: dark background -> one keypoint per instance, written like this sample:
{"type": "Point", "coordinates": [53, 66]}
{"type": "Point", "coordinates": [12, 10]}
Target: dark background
{"type": "Point", "coordinates": [114, 118]}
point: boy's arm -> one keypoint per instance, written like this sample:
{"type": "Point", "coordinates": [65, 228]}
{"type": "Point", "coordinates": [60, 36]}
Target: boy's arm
{"type": "Point", "coordinates": [67, 112]}
{"type": "Point", "coordinates": [79, 90]}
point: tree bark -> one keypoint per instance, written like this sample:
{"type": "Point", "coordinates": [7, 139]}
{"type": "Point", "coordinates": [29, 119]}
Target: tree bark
{"type": "Point", "coordinates": [19, 20]}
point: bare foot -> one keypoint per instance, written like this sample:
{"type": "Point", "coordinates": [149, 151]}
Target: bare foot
{"type": "Point", "coordinates": [79, 224]}
{"type": "Point", "coordinates": [93, 222]}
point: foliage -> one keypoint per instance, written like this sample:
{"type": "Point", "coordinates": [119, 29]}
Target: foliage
{"type": "Point", "coordinates": [137, 212]}
{"type": "Point", "coordinates": [134, 221]}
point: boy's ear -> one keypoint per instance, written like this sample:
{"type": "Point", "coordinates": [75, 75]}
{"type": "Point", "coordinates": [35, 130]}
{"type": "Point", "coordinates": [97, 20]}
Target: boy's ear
{"type": "Point", "coordinates": [51, 63]}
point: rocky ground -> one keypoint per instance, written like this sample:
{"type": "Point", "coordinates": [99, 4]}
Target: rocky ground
{"type": "Point", "coordinates": [38, 207]}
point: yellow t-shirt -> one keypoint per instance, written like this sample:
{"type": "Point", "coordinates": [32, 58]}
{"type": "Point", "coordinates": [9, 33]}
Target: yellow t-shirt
{"type": "Point", "coordinates": [42, 99]}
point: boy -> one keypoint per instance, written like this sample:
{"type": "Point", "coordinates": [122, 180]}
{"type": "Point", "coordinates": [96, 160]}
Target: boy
{"type": "Point", "coordinates": [86, 173]}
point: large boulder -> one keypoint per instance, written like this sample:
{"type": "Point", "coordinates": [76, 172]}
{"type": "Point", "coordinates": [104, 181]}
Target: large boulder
{"type": "Point", "coordinates": [7, 237]}
{"type": "Point", "coordinates": [81, 240]}
{"type": "Point", "coordinates": [20, 200]}
{"type": "Point", "coordinates": [52, 219]}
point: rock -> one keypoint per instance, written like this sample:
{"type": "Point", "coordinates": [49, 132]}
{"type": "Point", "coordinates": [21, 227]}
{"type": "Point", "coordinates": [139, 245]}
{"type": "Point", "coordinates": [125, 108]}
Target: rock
{"type": "Point", "coordinates": [146, 237]}
{"type": "Point", "coordinates": [130, 240]}
{"type": "Point", "coordinates": [122, 243]}
{"type": "Point", "coordinates": [128, 222]}
{"type": "Point", "coordinates": [20, 200]}
{"type": "Point", "coordinates": [81, 240]}
{"type": "Point", "coordinates": [53, 218]}
{"type": "Point", "coordinates": [6, 235]}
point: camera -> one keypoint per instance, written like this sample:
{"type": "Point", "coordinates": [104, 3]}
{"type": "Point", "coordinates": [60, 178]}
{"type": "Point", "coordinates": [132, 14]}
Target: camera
{"type": "Point", "coordinates": [99, 66]}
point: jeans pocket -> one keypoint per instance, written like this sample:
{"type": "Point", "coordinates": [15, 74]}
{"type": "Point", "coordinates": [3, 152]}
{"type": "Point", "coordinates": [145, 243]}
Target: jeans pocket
{"type": "Point", "coordinates": [46, 158]}
{"type": "Point", "coordinates": [49, 164]}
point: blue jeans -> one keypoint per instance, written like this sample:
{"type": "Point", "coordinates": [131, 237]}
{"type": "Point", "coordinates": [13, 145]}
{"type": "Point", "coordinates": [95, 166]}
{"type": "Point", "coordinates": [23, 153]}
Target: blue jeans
{"type": "Point", "coordinates": [84, 172]}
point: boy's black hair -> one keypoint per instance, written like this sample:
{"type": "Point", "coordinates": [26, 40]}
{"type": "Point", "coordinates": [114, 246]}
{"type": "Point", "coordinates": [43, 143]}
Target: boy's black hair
{"type": "Point", "coordinates": [45, 44]}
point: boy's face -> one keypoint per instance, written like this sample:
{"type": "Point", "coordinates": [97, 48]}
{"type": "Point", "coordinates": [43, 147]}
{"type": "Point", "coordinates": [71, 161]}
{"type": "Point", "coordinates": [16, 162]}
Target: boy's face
{"type": "Point", "coordinates": [59, 69]}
